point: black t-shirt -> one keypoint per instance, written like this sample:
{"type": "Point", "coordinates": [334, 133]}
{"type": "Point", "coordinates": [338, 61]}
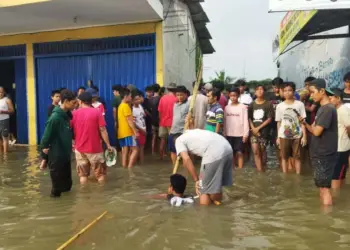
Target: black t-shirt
{"type": "Point", "coordinates": [346, 98]}
{"type": "Point", "coordinates": [153, 104]}
{"type": "Point", "coordinates": [275, 100]}
{"type": "Point", "coordinates": [259, 113]}
{"type": "Point", "coordinates": [50, 109]}
{"type": "Point", "coordinates": [327, 142]}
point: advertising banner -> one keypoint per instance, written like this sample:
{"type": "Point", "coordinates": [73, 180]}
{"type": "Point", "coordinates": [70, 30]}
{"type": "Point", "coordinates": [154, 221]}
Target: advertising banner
{"type": "Point", "coordinates": [293, 5]}
{"type": "Point", "coordinates": [291, 25]}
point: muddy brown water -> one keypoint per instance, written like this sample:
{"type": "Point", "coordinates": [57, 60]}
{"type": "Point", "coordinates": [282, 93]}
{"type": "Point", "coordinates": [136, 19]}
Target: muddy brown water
{"type": "Point", "coordinates": [261, 211]}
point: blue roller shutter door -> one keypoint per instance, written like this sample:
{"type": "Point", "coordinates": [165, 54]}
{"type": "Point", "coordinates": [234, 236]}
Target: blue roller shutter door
{"type": "Point", "coordinates": [104, 70]}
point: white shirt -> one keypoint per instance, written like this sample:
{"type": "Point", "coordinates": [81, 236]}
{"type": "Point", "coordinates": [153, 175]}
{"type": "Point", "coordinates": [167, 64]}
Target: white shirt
{"type": "Point", "coordinates": [287, 114]}
{"type": "Point", "coordinates": [245, 99]}
{"type": "Point", "coordinates": [206, 144]}
{"type": "Point", "coordinates": [4, 107]}
{"type": "Point", "coordinates": [343, 122]}
{"type": "Point", "coordinates": [139, 114]}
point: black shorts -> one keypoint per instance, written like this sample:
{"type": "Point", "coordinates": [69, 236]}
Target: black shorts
{"type": "Point", "coordinates": [342, 165]}
{"type": "Point", "coordinates": [323, 170]}
{"type": "Point", "coordinates": [236, 144]}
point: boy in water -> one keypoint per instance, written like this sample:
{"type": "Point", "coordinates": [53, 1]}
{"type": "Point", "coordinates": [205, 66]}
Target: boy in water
{"type": "Point", "coordinates": [215, 114]}
{"type": "Point", "coordinates": [140, 123]}
{"type": "Point", "coordinates": [291, 133]}
{"type": "Point", "coordinates": [343, 154]}
{"type": "Point", "coordinates": [260, 116]}
{"type": "Point", "coordinates": [180, 112]}
{"type": "Point", "coordinates": [236, 126]}
{"type": "Point", "coordinates": [127, 131]}
{"type": "Point", "coordinates": [176, 191]}
{"type": "Point", "coordinates": [324, 141]}
{"type": "Point", "coordinates": [57, 143]}
{"type": "Point", "coordinates": [56, 98]}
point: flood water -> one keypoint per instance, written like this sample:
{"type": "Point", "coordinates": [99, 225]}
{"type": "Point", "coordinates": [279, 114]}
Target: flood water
{"type": "Point", "coordinates": [261, 211]}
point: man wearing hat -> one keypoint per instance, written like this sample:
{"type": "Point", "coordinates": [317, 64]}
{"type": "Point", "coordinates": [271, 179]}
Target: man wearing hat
{"type": "Point", "coordinates": [89, 127]}
{"type": "Point", "coordinates": [95, 100]}
{"type": "Point", "coordinates": [324, 141]}
{"type": "Point", "coordinates": [343, 139]}
{"type": "Point", "coordinates": [165, 108]}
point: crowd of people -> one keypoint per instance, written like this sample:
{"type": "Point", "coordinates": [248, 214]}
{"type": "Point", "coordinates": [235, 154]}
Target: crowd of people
{"type": "Point", "coordinates": [226, 125]}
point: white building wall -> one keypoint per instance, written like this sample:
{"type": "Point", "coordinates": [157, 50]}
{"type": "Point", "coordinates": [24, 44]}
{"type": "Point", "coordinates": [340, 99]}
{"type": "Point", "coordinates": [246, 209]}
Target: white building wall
{"type": "Point", "coordinates": [328, 58]}
{"type": "Point", "coordinates": [179, 42]}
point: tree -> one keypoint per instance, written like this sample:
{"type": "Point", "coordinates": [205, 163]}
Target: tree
{"type": "Point", "coordinates": [222, 77]}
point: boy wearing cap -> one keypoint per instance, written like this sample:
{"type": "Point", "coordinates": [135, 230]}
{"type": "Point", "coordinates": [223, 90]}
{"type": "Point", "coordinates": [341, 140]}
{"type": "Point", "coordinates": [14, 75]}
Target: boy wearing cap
{"type": "Point", "coordinates": [95, 100]}
{"type": "Point", "coordinates": [89, 127]}
{"type": "Point", "coordinates": [343, 139]}
{"type": "Point", "coordinates": [324, 141]}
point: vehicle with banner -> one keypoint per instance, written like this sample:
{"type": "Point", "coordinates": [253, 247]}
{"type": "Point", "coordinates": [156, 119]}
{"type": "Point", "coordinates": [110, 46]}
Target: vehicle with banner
{"type": "Point", "coordinates": [293, 5]}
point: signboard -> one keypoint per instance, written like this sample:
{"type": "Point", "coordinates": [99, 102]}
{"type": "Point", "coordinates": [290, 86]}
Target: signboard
{"type": "Point", "coordinates": [293, 5]}
{"type": "Point", "coordinates": [291, 25]}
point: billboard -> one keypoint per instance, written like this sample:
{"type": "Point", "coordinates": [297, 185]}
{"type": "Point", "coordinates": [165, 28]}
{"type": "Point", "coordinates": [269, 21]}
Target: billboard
{"type": "Point", "coordinates": [291, 25]}
{"type": "Point", "coordinates": [292, 5]}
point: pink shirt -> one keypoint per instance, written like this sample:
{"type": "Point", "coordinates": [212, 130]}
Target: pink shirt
{"type": "Point", "coordinates": [86, 125]}
{"type": "Point", "coordinates": [165, 108]}
{"type": "Point", "coordinates": [223, 101]}
{"type": "Point", "coordinates": [236, 121]}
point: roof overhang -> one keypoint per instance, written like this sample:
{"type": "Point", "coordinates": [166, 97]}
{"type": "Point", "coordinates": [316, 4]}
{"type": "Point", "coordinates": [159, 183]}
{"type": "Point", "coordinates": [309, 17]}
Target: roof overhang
{"type": "Point", "coordinates": [200, 20]}
{"type": "Point", "coordinates": [303, 26]}
{"type": "Point", "coordinates": [29, 16]}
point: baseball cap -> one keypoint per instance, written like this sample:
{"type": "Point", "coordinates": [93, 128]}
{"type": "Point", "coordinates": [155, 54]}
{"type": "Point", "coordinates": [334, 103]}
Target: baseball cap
{"type": "Point", "coordinates": [92, 91]}
{"type": "Point", "coordinates": [321, 84]}
{"type": "Point", "coordinates": [85, 97]}
{"type": "Point", "coordinates": [338, 93]}
{"type": "Point", "coordinates": [172, 86]}
{"type": "Point", "coordinates": [208, 86]}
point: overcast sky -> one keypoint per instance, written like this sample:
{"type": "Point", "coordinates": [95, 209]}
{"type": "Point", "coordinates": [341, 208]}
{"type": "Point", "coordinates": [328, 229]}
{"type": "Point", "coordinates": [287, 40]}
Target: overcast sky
{"type": "Point", "coordinates": [242, 34]}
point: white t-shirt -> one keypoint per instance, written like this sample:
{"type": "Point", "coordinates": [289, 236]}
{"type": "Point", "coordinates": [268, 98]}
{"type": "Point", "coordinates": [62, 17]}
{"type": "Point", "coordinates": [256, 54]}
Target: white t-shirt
{"type": "Point", "coordinates": [206, 144]}
{"type": "Point", "coordinates": [4, 107]}
{"type": "Point", "coordinates": [139, 114]}
{"type": "Point", "coordinates": [343, 122]}
{"type": "Point", "coordinates": [245, 99]}
{"type": "Point", "coordinates": [287, 114]}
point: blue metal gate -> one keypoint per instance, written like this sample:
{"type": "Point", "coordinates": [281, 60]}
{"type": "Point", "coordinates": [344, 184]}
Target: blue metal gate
{"type": "Point", "coordinates": [130, 61]}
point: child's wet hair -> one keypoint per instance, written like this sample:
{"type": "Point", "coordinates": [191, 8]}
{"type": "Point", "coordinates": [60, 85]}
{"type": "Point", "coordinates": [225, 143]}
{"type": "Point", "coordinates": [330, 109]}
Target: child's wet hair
{"type": "Point", "coordinates": [178, 183]}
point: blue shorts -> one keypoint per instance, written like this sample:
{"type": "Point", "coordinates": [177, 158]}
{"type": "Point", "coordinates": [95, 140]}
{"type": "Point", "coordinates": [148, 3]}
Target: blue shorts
{"type": "Point", "coordinates": [171, 142]}
{"type": "Point", "coordinates": [129, 141]}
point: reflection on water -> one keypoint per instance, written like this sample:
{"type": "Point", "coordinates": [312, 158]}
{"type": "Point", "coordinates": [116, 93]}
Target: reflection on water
{"type": "Point", "coordinates": [261, 211]}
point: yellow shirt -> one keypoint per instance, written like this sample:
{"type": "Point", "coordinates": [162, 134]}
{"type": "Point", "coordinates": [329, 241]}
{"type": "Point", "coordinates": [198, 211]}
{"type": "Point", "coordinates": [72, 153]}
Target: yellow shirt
{"type": "Point", "coordinates": [124, 130]}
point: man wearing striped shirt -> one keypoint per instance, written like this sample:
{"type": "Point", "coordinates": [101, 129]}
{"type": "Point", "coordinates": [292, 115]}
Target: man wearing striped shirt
{"type": "Point", "coordinates": [215, 114]}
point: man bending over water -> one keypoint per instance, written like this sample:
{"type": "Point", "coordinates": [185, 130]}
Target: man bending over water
{"type": "Point", "coordinates": [216, 166]}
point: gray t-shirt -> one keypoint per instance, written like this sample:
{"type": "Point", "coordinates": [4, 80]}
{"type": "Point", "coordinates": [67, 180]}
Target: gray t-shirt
{"type": "Point", "coordinates": [206, 144]}
{"type": "Point", "coordinates": [327, 143]}
{"type": "Point", "coordinates": [179, 115]}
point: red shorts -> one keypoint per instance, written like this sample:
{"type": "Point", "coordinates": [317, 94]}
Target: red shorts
{"type": "Point", "coordinates": [141, 140]}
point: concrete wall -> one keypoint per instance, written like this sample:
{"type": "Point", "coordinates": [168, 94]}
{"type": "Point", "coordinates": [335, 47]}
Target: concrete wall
{"type": "Point", "coordinates": [179, 43]}
{"type": "Point", "coordinates": [328, 58]}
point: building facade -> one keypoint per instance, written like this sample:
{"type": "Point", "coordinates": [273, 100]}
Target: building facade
{"type": "Point", "coordinates": [50, 44]}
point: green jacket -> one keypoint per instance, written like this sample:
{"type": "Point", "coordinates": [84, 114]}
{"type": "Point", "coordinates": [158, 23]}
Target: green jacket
{"type": "Point", "coordinates": [58, 136]}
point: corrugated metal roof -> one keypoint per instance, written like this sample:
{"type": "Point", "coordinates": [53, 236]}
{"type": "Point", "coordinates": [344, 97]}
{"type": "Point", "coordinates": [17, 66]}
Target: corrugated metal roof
{"type": "Point", "coordinates": [200, 19]}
